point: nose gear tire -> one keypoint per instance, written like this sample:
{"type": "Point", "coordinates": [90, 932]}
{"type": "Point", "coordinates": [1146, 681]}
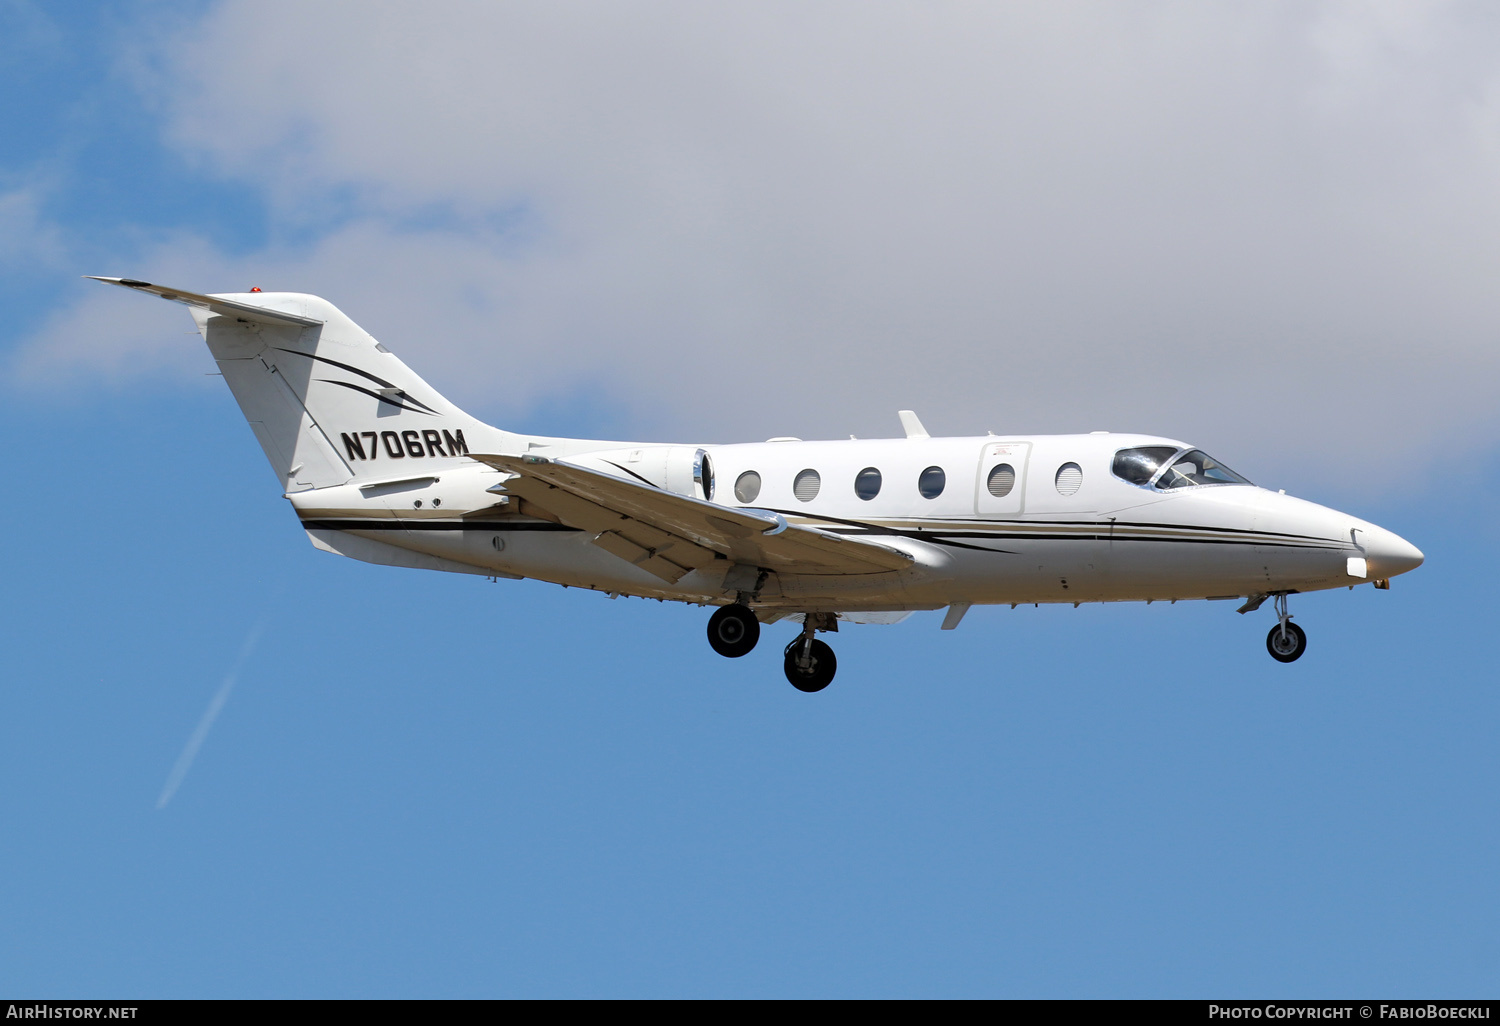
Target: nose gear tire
{"type": "Point", "coordinates": [1288, 647]}
{"type": "Point", "coordinates": [733, 631]}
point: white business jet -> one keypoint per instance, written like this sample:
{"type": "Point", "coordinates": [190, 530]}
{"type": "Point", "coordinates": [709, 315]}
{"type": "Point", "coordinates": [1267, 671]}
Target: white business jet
{"type": "Point", "coordinates": [380, 467]}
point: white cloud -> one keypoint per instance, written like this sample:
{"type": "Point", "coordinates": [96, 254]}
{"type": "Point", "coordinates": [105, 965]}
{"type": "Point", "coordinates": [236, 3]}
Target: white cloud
{"type": "Point", "coordinates": [1270, 227]}
{"type": "Point", "coordinates": [27, 239]}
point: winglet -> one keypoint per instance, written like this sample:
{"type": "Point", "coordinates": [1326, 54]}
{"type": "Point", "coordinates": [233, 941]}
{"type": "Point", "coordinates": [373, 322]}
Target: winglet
{"type": "Point", "coordinates": [912, 425]}
{"type": "Point", "coordinates": [216, 304]}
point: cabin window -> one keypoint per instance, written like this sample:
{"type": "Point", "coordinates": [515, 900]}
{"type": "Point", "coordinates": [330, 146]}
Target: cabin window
{"type": "Point", "coordinates": [1069, 478]}
{"type": "Point", "coordinates": [805, 486]}
{"type": "Point", "coordinates": [1197, 468]}
{"type": "Point", "coordinates": [931, 483]}
{"type": "Point", "coordinates": [747, 486]}
{"type": "Point", "coordinates": [867, 483]}
{"type": "Point", "coordinates": [1001, 480]}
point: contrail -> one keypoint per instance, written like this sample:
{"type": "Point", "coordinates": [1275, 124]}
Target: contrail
{"type": "Point", "coordinates": [190, 750]}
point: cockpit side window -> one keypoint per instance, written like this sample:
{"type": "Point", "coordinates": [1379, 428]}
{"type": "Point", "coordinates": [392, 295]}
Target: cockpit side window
{"type": "Point", "coordinates": [1197, 468]}
{"type": "Point", "coordinates": [1139, 466]}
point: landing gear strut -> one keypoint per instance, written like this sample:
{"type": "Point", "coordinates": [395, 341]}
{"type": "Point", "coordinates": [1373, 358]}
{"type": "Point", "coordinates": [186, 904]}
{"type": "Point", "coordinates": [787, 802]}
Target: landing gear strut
{"type": "Point", "coordinates": [1287, 641]}
{"type": "Point", "coordinates": [810, 663]}
{"type": "Point", "coordinates": [733, 631]}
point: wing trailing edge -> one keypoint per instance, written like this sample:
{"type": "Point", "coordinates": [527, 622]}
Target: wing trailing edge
{"type": "Point", "coordinates": [670, 535]}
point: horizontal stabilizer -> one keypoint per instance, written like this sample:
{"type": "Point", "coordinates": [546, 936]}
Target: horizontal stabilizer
{"type": "Point", "coordinates": [216, 304]}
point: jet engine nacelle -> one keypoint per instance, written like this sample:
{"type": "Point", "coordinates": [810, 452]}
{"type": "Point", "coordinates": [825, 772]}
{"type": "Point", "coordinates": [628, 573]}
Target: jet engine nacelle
{"type": "Point", "coordinates": [674, 468]}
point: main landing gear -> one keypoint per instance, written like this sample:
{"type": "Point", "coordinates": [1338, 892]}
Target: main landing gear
{"type": "Point", "coordinates": [810, 664]}
{"type": "Point", "coordinates": [733, 631]}
{"type": "Point", "coordinates": [1287, 641]}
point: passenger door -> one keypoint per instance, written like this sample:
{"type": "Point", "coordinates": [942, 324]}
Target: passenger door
{"type": "Point", "coordinates": [1000, 488]}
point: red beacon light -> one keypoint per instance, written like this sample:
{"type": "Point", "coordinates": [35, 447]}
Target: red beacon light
{"type": "Point", "coordinates": [254, 288]}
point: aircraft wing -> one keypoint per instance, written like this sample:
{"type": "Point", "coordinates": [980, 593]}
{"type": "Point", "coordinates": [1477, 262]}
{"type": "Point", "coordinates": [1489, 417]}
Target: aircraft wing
{"type": "Point", "coordinates": [217, 304]}
{"type": "Point", "coordinates": [669, 534]}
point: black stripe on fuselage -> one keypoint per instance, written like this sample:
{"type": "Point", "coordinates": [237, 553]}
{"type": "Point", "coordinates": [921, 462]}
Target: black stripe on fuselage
{"type": "Point", "coordinates": [1222, 530]}
{"type": "Point", "coordinates": [938, 535]}
{"type": "Point", "coordinates": [1120, 539]}
{"type": "Point", "coordinates": [856, 528]}
{"type": "Point", "coordinates": [394, 524]}
{"type": "Point", "coordinates": [633, 474]}
{"type": "Point", "coordinates": [853, 529]}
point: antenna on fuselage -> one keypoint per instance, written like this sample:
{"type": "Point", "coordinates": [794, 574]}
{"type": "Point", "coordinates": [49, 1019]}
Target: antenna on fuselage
{"type": "Point", "coordinates": [912, 424]}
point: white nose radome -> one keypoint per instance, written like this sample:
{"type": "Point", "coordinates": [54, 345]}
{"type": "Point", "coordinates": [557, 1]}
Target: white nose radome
{"type": "Point", "coordinates": [1389, 554]}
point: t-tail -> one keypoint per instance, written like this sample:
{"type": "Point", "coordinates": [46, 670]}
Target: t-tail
{"type": "Point", "coordinates": [328, 403]}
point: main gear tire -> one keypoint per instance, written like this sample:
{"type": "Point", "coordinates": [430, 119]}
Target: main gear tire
{"type": "Point", "coordinates": [733, 631]}
{"type": "Point", "coordinates": [815, 670]}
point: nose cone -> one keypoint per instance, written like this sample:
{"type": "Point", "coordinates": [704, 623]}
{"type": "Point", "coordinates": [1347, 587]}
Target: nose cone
{"type": "Point", "coordinates": [1389, 554]}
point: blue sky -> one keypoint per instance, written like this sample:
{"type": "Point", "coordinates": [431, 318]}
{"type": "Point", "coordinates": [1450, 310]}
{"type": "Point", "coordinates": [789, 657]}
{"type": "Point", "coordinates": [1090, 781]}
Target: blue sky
{"type": "Point", "coordinates": [433, 785]}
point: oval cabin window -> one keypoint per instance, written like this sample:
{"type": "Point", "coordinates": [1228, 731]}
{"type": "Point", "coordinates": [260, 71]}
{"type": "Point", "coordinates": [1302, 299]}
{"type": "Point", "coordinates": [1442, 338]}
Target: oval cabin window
{"type": "Point", "coordinates": [1001, 480]}
{"type": "Point", "coordinates": [1069, 478]}
{"type": "Point", "coordinates": [806, 486]}
{"type": "Point", "coordinates": [867, 483]}
{"type": "Point", "coordinates": [747, 486]}
{"type": "Point", "coordinates": [931, 483]}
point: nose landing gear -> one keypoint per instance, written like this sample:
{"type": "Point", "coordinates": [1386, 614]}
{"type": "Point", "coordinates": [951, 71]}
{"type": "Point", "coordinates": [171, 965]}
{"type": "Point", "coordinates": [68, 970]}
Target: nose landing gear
{"type": "Point", "coordinates": [1287, 641]}
{"type": "Point", "coordinates": [733, 631]}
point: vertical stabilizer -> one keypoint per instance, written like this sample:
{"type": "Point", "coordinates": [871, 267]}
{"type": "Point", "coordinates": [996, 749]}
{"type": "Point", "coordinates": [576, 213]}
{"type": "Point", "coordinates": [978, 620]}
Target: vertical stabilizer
{"type": "Point", "coordinates": [328, 404]}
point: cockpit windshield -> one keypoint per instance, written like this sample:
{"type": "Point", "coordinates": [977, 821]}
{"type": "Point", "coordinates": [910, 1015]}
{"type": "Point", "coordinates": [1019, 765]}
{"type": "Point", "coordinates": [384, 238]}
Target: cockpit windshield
{"type": "Point", "coordinates": [1197, 468]}
{"type": "Point", "coordinates": [1163, 466]}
